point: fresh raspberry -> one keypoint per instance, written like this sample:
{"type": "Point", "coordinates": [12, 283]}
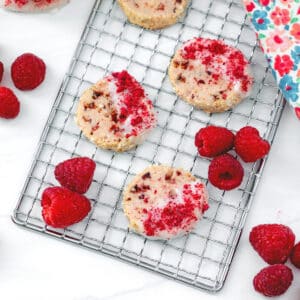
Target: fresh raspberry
{"type": "Point", "coordinates": [212, 141]}
{"type": "Point", "coordinates": [295, 256]}
{"type": "Point", "coordinates": [9, 103]}
{"type": "Point", "coordinates": [273, 242]}
{"type": "Point", "coordinates": [62, 207]}
{"type": "Point", "coordinates": [297, 111]}
{"type": "Point", "coordinates": [273, 280]}
{"type": "Point", "coordinates": [1, 70]}
{"type": "Point", "coordinates": [76, 173]}
{"type": "Point", "coordinates": [225, 172]}
{"type": "Point", "coordinates": [249, 145]}
{"type": "Point", "coordinates": [28, 72]}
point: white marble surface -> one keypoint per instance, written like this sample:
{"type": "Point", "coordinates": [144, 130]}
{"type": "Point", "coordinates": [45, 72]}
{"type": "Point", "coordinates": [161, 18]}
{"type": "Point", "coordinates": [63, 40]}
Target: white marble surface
{"type": "Point", "coordinates": [34, 267]}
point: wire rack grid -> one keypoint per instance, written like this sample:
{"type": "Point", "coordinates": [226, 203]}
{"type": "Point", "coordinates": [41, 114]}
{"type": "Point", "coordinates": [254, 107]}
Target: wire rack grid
{"type": "Point", "coordinates": [109, 43]}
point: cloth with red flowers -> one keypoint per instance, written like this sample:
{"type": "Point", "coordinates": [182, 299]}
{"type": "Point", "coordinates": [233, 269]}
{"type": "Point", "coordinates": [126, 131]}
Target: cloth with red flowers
{"type": "Point", "coordinates": [277, 24]}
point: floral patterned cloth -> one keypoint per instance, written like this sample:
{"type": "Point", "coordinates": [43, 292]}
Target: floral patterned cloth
{"type": "Point", "coordinates": [277, 24]}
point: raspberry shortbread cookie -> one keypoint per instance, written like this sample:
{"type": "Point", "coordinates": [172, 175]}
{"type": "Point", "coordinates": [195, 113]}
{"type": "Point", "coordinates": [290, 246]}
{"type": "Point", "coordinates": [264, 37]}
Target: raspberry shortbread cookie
{"type": "Point", "coordinates": [153, 14]}
{"type": "Point", "coordinates": [164, 202]}
{"type": "Point", "coordinates": [32, 5]}
{"type": "Point", "coordinates": [115, 113]}
{"type": "Point", "coordinates": [210, 75]}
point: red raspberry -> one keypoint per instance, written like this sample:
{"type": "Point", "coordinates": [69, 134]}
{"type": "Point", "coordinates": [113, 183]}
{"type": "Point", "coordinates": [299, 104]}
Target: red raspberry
{"type": "Point", "coordinates": [295, 256]}
{"type": "Point", "coordinates": [9, 103]}
{"type": "Point", "coordinates": [28, 72]}
{"type": "Point", "coordinates": [225, 172]}
{"type": "Point", "coordinates": [249, 145]}
{"type": "Point", "coordinates": [1, 70]}
{"type": "Point", "coordinates": [212, 141]}
{"type": "Point", "coordinates": [297, 111]}
{"type": "Point", "coordinates": [76, 174]}
{"type": "Point", "coordinates": [273, 242]}
{"type": "Point", "coordinates": [62, 207]}
{"type": "Point", "coordinates": [273, 280]}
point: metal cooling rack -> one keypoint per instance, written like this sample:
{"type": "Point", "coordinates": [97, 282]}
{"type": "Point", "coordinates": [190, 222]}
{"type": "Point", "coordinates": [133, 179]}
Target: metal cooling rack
{"type": "Point", "coordinates": [109, 43]}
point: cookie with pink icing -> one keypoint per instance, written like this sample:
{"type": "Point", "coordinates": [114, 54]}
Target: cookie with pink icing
{"type": "Point", "coordinates": [153, 14]}
{"type": "Point", "coordinates": [32, 5]}
{"type": "Point", "coordinates": [115, 113]}
{"type": "Point", "coordinates": [210, 75]}
{"type": "Point", "coordinates": [164, 202]}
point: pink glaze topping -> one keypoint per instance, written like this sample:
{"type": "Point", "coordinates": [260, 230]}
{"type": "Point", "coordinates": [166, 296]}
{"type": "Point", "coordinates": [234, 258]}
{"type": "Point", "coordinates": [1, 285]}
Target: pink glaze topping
{"type": "Point", "coordinates": [220, 60]}
{"type": "Point", "coordinates": [37, 3]}
{"type": "Point", "coordinates": [134, 111]}
{"type": "Point", "coordinates": [179, 212]}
